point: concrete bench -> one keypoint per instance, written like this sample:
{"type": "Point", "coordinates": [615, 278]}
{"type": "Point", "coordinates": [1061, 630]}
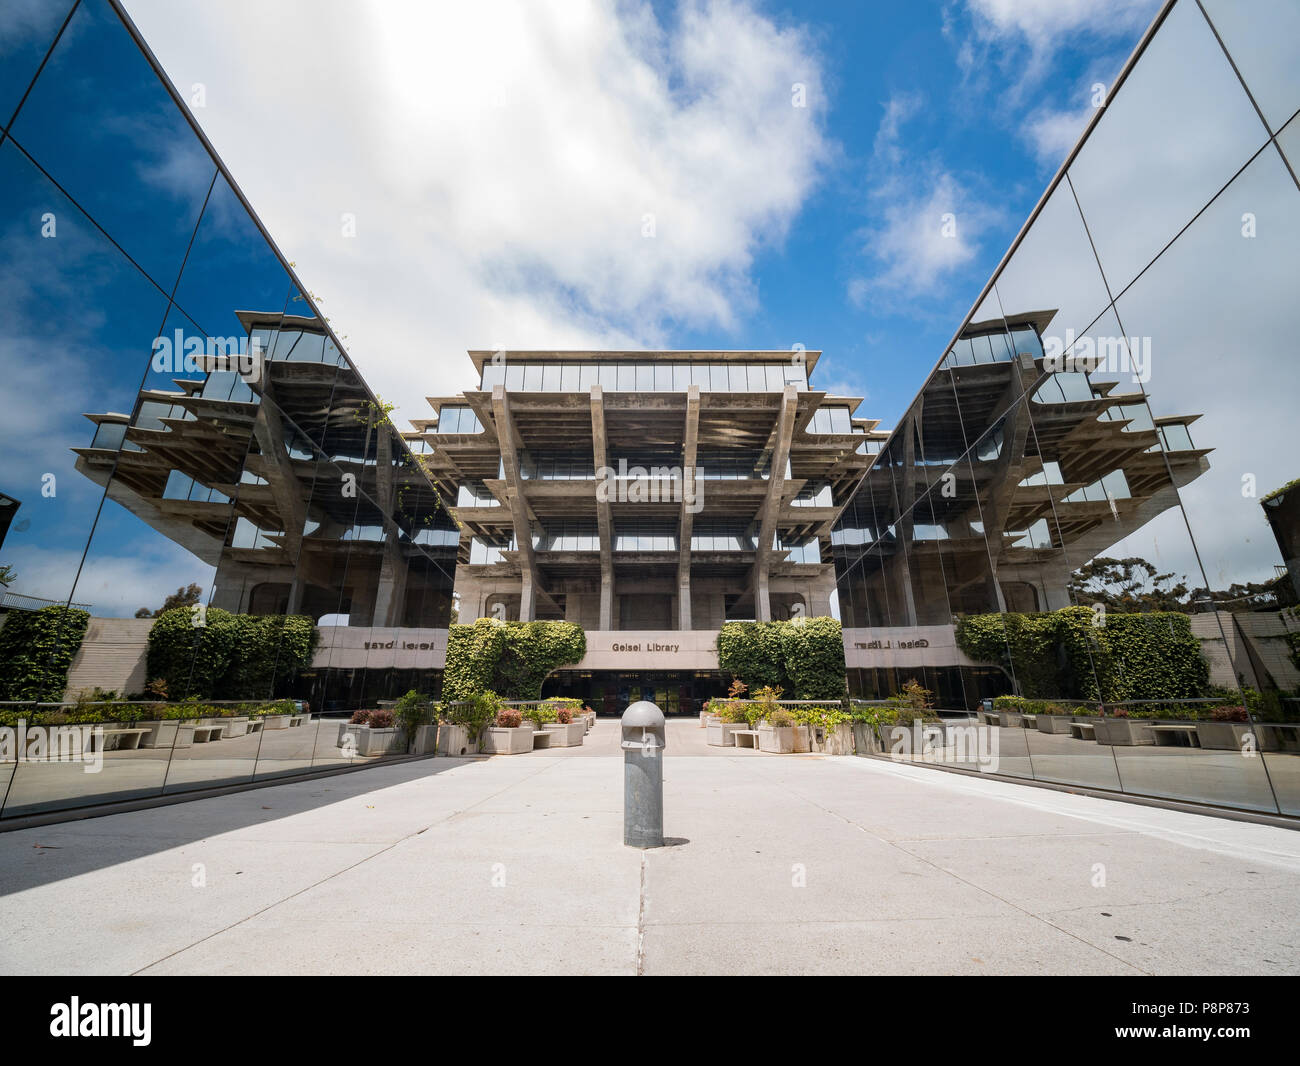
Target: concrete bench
{"type": "Point", "coordinates": [750, 735]}
{"type": "Point", "coordinates": [541, 739]}
{"type": "Point", "coordinates": [121, 739]}
{"type": "Point", "coordinates": [1175, 736]}
{"type": "Point", "coordinates": [255, 725]}
{"type": "Point", "coordinates": [1083, 731]}
{"type": "Point", "coordinates": [205, 733]}
{"type": "Point", "coordinates": [297, 720]}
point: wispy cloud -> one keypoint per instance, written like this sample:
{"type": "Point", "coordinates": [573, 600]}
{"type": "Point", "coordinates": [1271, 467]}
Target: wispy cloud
{"type": "Point", "coordinates": [926, 220]}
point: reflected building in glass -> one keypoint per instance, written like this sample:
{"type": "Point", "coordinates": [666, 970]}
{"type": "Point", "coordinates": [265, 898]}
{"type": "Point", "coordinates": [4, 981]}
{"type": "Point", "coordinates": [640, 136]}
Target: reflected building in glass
{"type": "Point", "coordinates": [190, 430]}
{"type": "Point", "coordinates": [1112, 429]}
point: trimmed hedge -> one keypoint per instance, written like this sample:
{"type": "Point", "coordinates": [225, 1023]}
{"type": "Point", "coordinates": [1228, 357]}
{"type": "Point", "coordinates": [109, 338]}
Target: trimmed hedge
{"type": "Point", "coordinates": [510, 657]}
{"type": "Point", "coordinates": [36, 650]}
{"type": "Point", "coordinates": [1064, 655]}
{"type": "Point", "coordinates": [230, 656]}
{"type": "Point", "coordinates": [804, 658]}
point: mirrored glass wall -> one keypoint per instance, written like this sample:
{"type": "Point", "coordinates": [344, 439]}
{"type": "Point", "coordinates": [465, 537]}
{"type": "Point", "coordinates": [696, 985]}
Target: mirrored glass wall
{"type": "Point", "coordinates": [1084, 529]}
{"type": "Point", "coordinates": [215, 546]}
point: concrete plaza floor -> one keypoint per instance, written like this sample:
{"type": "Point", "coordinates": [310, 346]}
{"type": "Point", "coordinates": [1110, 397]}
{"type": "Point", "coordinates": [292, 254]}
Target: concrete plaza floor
{"type": "Point", "coordinates": [776, 864]}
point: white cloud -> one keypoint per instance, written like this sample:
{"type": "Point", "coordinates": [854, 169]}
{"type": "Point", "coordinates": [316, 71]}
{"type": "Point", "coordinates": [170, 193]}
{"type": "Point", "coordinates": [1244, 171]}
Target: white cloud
{"type": "Point", "coordinates": [1052, 134]}
{"type": "Point", "coordinates": [1044, 24]}
{"type": "Point", "coordinates": [926, 220]}
{"type": "Point", "coordinates": [501, 160]}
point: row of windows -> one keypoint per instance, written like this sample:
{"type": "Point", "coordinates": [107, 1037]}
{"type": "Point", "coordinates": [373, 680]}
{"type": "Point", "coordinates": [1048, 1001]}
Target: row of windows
{"type": "Point", "coordinates": [458, 420]}
{"type": "Point", "coordinates": [646, 377]}
{"type": "Point", "coordinates": [999, 347]}
{"type": "Point", "coordinates": [645, 537]}
{"type": "Point", "coordinates": [831, 420]}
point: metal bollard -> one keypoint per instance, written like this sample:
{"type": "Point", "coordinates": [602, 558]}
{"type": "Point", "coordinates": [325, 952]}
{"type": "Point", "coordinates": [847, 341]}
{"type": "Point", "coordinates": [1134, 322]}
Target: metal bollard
{"type": "Point", "coordinates": [643, 776]}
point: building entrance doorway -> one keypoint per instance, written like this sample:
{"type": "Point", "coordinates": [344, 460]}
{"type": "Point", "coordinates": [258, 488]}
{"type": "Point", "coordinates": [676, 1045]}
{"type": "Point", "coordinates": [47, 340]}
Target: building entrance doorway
{"type": "Point", "coordinates": [608, 692]}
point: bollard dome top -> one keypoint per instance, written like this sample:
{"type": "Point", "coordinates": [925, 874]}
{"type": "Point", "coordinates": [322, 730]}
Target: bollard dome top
{"type": "Point", "coordinates": [643, 715]}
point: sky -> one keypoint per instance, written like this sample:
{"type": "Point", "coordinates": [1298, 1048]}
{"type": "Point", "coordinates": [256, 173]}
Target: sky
{"type": "Point", "coordinates": [696, 175]}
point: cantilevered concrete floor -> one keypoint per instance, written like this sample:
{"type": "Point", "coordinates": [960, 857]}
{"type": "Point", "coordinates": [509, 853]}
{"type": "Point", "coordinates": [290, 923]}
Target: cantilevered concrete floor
{"type": "Point", "coordinates": [796, 864]}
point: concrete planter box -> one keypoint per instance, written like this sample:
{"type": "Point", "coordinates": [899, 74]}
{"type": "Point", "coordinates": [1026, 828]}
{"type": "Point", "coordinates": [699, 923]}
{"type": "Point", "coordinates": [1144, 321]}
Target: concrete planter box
{"type": "Point", "coordinates": [501, 741]}
{"type": "Point", "coordinates": [1224, 736]}
{"type": "Point", "coordinates": [1054, 723]}
{"type": "Point", "coordinates": [865, 740]}
{"type": "Point", "coordinates": [455, 740]}
{"type": "Point", "coordinates": [346, 729]}
{"type": "Point", "coordinates": [380, 741]}
{"type": "Point", "coordinates": [567, 736]}
{"type": "Point", "coordinates": [1009, 719]}
{"type": "Point", "coordinates": [719, 734]}
{"type": "Point", "coordinates": [276, 721]}
{"type": "Point", "coordinates": [184, 734]}
{"type": "Point", "coordinates": [836, 741]}
{"type": "Point", "coordinates": [1123, 731]}
{"type": "Point", "coordinates": [802, 739]}
{"type": "Point", "coordinates": [779, 740]}
{"type": "Point", "coordinates": [426, 740]}
{"type": "Point", "coordinates": [162, 733]}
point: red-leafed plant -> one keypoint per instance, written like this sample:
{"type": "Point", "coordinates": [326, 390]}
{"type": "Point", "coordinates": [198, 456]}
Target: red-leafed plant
{"type": "Point", "coordinates": [360, 717]}
{"type": "Point", "coordinates": [510, 718]}
{"type": "Point", "coordinates": [381, 719]}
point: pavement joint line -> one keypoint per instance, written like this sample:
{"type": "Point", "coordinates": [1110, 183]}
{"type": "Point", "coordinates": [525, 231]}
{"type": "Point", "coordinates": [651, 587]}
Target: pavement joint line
{"type": "Point", "coordinates": [978, 888]}
{"type": "Point", "coordinates": [347, 869]}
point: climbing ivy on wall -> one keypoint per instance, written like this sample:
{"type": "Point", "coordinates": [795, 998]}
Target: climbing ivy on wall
{"type": "Point", "coordinates": [36, 650]}
{"type": "Point", "coordinates": [802, 657]}
{"type": "Point", "coordinates": [1065, 654]}
{"type": "Point", "coordinates": [229, 656]}
{"type": "Point", "coordinates": [510, 658]}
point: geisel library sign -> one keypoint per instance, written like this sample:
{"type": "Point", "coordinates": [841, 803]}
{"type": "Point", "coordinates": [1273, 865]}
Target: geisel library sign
{"type": "Point", "coordinates": [380, 648]}
{"type": "Point", "coordinates": [687, 649]}
{"type": "Point", "coordinates": [901, 647]}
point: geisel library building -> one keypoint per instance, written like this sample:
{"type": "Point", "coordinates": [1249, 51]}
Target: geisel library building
{"type": "Point", "coordinates": [651, 496]}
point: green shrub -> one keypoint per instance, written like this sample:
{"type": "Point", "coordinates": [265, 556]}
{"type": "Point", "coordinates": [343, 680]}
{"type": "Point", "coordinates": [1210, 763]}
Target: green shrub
{"type": "Point", "coordinates": [804, 657]}
{"type": "Point", "coordinates": [229, 656]}
{"type": "Point", "coordinates": [36, 650]}
{"type": "Point", "coordinates": [510, 657]}
{"type": "Point", "coordinates": [1065, 655]}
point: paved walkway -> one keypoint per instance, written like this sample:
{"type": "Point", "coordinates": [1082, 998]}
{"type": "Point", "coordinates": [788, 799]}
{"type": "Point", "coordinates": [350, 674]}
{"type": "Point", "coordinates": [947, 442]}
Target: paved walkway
{"type": "Point", "coordinates": [796, 864]}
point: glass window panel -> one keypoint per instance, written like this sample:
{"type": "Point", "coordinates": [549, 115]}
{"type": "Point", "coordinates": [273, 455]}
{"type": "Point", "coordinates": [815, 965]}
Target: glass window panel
{"type": "Point", "coordinates": [663, 377]}
{"type": "Point", "coordinates": [775, 377]}
{"type": "Point", "coordinates": [645, 377]}
{"type": "Point", "coordinates": [551, 377]}
{"type": "Point", "coordinates": [1260, 36]}
{"type": "Point", "coordinates": [681, 377]}
{"type": "Point", "coordinates": [570, 374]}
{"type": "Point", "coordinates": [588, 376]}
{"type": "Point", "coordinates": [756, 378]}
{"type": "Point", "coordinates": [143, 179]}
{"type": "Point", "coordinates": [626, 377]}
{"type": "Point", "coordinates": [1170, 138]}
{"type": "Point", "coordinates": [532, 377]}
{"type": "Point", "coordinates": [736, 377]}
{"type": "Point", "coordinates": [700, 376]}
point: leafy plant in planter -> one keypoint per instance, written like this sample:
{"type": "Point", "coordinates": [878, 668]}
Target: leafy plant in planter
{"type": "Point", "coordinates": [361, 717]}
{"type": "Point", "coordinates": [539, 714]}
{"type": "Point", "coordinates": [413, 711]}
{"type": "Point", "coordinates": [383, 718]}
{"type": "Point", "coordinates": [564, 716]}
{"type": "Point", "coordinates": [509, 718]}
